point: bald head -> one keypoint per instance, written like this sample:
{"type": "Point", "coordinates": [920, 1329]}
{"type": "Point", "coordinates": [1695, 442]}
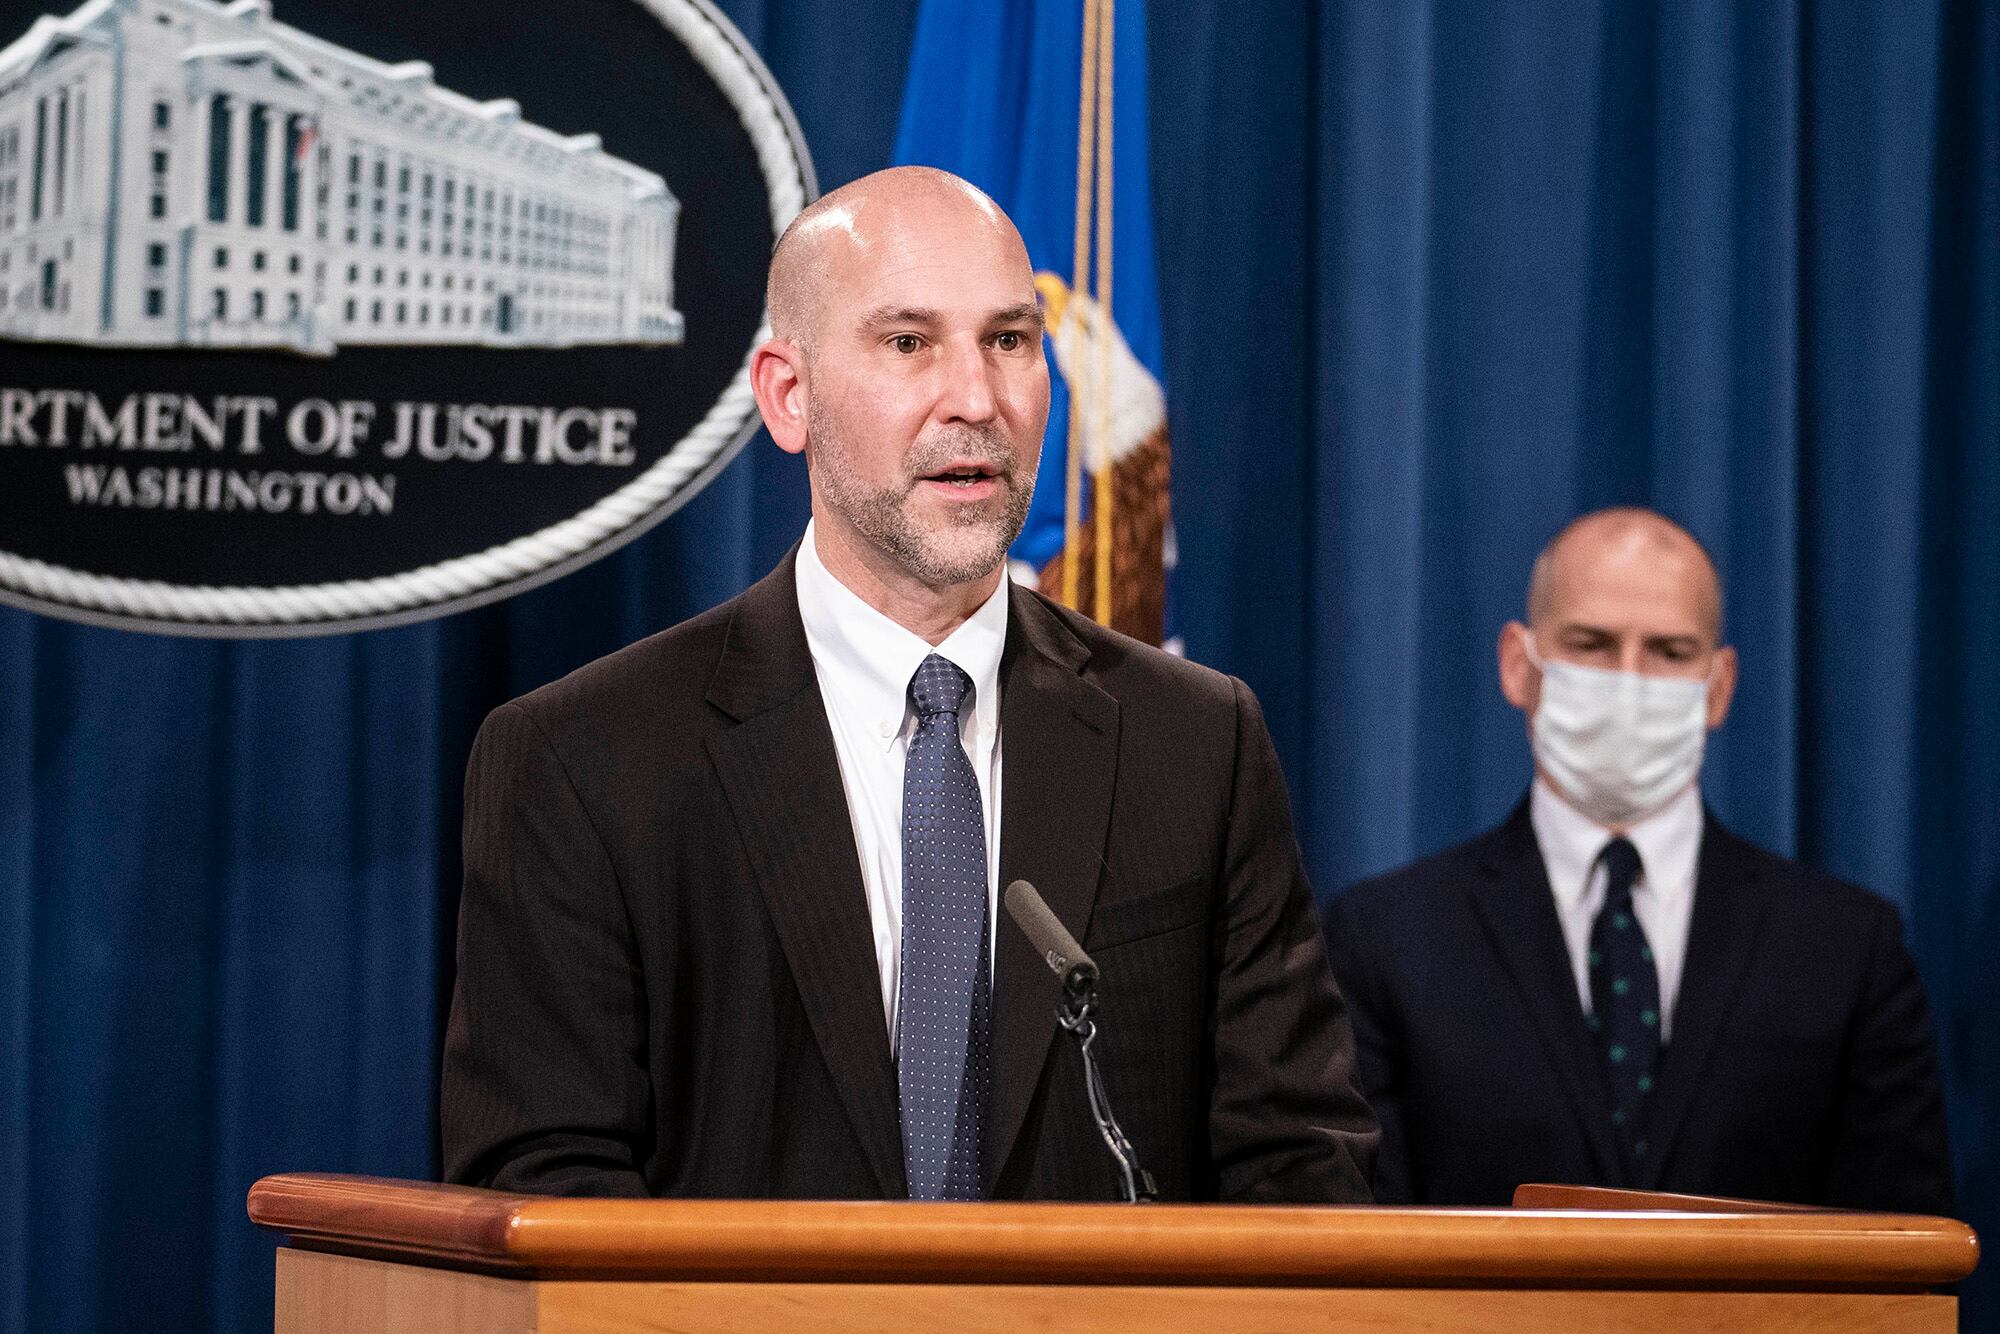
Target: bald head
{"type": "Point", "coordinates": [1627, 544]}
{"type": "Point", "coordinates": [852, 222]}
{"type": "Point", "coordinates": [906, 363]}
{"type": "Point", "coordinates": [1620, 590]}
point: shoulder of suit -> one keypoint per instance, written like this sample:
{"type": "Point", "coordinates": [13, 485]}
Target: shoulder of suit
{"type": "Point", "coordinates": [1118, 660]}
{"type": "Point", "coordinates": [670, 667]}
{"type": "Point", "coordinates": [1793, 884]}
{"type": "Point", "coordinates": [1442, 874]}
{"type": "Point", "coordinates": [1789, 883]}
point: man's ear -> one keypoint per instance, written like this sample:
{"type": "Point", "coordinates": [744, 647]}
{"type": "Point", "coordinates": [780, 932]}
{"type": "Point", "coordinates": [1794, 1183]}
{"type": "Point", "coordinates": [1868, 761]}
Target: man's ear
{"type": "Point", "coordinates": [1519, 681]}
{"type": "Point", "coordinates": [1721, 686]}
{"type": "Point", "coordinates": [778, 379]}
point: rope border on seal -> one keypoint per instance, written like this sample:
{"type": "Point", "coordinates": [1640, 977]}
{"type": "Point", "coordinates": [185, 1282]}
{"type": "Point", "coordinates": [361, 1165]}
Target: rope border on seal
{"type": "Point", "coordinates": [780, 158]}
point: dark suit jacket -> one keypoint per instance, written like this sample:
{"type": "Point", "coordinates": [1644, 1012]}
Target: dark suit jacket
{"type": "Point", "coordinates": [667, 983]}
{"type": "Point", "coordinates": [1800, 1068]}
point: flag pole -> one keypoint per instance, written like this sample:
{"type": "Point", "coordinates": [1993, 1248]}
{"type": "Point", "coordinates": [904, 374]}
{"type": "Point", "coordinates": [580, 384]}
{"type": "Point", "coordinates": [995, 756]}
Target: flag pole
{"type": "Point", "coordinates": [1086, 147]}
{"type": "Point", "coordinates": [1102, 488]}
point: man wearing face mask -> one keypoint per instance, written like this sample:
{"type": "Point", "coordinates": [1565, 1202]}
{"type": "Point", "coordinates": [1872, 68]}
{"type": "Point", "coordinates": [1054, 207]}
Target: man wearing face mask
{"type": "Point", "coordinates": [1611, 988]}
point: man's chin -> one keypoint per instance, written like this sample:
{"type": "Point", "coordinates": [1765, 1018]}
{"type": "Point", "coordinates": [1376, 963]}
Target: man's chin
{"type": "Point", "coordinates": [956, 563]}
{"type": "Point", "coordinates": [960, 553]}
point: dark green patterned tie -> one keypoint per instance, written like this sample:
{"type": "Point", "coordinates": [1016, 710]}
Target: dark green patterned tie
{"type": "Point", "coordinates": [1625, 1004]}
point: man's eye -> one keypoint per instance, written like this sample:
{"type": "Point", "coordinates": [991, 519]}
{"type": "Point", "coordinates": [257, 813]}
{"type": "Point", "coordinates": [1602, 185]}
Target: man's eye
{"type": "Point", "coordinates": [1009, 341]}
{"type": "Point", "coordinates": [907, 344]}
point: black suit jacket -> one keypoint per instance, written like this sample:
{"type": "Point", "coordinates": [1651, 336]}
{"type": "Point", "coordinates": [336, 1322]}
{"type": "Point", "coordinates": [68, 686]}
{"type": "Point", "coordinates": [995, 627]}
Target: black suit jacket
{"type": "Point", "coordinates": [667, 983]}
{"type": "Point", "coordinates": [1801, 1066]}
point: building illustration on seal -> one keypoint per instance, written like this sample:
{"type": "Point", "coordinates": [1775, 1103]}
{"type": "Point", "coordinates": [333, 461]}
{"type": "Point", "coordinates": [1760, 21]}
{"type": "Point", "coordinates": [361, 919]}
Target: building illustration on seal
{"type": "Point", "coordinates": [186, 173]}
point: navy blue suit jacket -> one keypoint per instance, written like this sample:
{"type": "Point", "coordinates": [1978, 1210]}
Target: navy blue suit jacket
{"type": "Point", "coordinates": [1801, 1066]}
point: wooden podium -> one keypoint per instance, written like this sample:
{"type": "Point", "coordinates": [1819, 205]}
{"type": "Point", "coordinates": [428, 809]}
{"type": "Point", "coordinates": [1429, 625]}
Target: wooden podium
{"type": "Point", "coordinates": [393, 1257]}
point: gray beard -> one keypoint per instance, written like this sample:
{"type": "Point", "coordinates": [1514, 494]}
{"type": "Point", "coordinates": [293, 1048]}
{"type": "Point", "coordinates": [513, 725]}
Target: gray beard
{"type": "Point", "coordinates": [975, 541]}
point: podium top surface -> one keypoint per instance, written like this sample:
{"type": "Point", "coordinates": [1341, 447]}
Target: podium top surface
{"type": "Point", "coordinates": [1650, 1241]}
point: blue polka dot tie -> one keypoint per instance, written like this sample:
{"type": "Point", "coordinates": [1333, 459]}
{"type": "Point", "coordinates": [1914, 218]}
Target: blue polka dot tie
{"type": "Point", "coordinates": [1625, 1004]}
{"type": "Point", "coordinates": [942, 1062]}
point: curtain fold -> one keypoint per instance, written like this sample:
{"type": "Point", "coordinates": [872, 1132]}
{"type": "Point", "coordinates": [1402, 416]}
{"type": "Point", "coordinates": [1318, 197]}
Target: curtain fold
{"type": "Point", "coordinates": [1738, 263]}
{"type": "Point", "coordinates": [1435, 277]}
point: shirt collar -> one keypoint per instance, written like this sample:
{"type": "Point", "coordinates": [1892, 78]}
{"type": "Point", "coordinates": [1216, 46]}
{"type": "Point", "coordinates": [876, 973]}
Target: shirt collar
{"type": "Point", "coordinates": [871, 658]}
{"type": "Point", "coordinates": [1668, 842]}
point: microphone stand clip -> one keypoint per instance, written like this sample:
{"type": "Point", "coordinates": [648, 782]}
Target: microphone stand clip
{"type": "Point", "coordinates": [1079, 998]}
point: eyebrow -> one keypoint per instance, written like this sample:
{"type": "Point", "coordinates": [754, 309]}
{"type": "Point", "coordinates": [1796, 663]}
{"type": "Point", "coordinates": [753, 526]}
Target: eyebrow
{"type": "Point", "coordinates": [886, 317]}
{"type": "Point", "coordinates": [1652, 641]}
{"type": "Point", "coordinates": [1027, 312]}
{"type": "Point", "coordinates": [890, 317]}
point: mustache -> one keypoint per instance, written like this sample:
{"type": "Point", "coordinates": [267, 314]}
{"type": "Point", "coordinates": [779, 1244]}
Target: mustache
{"type": "Point", "coordinates": [986, 446]}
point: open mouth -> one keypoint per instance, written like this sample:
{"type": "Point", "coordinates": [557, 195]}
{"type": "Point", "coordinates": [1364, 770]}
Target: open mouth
{"type": "Point", "coordinates": [965, 478]}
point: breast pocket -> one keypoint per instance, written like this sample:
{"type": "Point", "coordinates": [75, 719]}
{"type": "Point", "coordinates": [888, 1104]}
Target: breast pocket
{"type": "Point", "coordinates": [1150, 913]}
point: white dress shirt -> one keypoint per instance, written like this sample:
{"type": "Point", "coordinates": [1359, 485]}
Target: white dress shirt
{"type": "Point", "coordinates": [864, 662]}
{"type": "Point", "coordinates": [1669, 845]}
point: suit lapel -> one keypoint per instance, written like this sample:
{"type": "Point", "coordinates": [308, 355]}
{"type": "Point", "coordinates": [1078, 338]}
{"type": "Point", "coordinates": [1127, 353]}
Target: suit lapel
{"type": "Point", "coordinates": [1059, 748]}
{"type": "Point", "coordinates": [1519, 913]}
{"type": "Point", "coordinates": [781, 776]}
{"type": "Point", "coordinates": [1722, 938]}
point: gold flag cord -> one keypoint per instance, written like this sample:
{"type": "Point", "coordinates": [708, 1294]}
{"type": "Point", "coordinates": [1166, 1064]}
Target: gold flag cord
{"type": "Point", "coordinates": [1086, 148]}
{"type": "Point", "coordinates": [1102, 489]}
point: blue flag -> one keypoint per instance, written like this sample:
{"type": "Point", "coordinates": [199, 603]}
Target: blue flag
{"type": "Point", "coordinates": [1012, 97]}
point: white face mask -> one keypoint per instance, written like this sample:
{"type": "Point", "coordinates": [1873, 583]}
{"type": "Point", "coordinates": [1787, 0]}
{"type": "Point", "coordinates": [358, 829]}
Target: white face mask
{"type": "Point", "coordinates": [1619, 745]}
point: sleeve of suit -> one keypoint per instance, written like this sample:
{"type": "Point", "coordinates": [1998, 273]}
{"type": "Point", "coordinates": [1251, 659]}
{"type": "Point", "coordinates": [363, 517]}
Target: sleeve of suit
{"type": "Point", "coordinates": [1889, 1149]}
{"type": "Point", "coordinates": [1373, 1019]}
{"type": "Point", "coordinates": [544, 1086]}
{"type": "Point", "coordinates": [1286, 1119]}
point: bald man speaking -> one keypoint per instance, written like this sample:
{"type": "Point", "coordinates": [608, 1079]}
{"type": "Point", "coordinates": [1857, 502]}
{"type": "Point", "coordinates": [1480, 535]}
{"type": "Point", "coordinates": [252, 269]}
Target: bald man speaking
{"type": "Point", "coordinates": [730, 921]}
{"type": "Point", "coordinates": [1611, 988]}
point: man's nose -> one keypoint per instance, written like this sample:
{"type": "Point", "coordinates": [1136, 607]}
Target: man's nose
{"type": "Point", "coordinates": [968, 391]}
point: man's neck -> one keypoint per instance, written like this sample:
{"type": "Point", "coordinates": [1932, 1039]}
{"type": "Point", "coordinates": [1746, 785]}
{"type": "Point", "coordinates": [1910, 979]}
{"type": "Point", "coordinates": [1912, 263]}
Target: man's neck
{"type": "Point", "coordinates": [929, 612]}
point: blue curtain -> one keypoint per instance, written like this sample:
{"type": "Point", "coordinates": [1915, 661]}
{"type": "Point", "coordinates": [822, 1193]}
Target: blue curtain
{"type": "Point", "coordinates": [1438, 277]}
{"type": "Point", "coordinates": [1435, 277]}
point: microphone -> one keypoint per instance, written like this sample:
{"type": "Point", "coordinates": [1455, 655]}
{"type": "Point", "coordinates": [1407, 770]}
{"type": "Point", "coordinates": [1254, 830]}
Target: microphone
{"type": "Point", "coordinates": [1078, 972]}
{"type": "Point", "coordinates": [1046, 933]}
